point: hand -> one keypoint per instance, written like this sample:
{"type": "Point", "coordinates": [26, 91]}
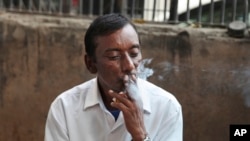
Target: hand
{"type": "Point", "coordinates": [133, 116]}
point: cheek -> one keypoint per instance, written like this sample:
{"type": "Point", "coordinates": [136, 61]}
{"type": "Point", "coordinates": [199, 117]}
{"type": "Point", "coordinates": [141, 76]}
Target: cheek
{"type": "Point", "coordinates": [137, 61]}
{"type": "Point", "coordinates": [110, 68]}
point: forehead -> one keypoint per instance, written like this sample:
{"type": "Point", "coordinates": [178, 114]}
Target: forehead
{"type": "Point", "coordinates": [124, 37]}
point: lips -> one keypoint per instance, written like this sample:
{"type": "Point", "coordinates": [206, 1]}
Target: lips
{"type": "Point", "coordinates": [123, 82]}
{"type": "Point", "coordinates": [130, 78]}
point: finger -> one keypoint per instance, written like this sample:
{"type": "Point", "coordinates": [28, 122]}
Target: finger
{"type": "Point", "coordinates": [122, 94]}
{"type": "Point", "coordinates": [113, 94]}
{"type": "Point", "coordinates": [126, 79]}
{"type": "Point", "coordinates": [117, 96]}
{"type": "Point", "coordinates": [120, 98]}
{"type": "Point", "coordinates": [133, 77]}
{"type": "Point", "coordinates": [120, 106]}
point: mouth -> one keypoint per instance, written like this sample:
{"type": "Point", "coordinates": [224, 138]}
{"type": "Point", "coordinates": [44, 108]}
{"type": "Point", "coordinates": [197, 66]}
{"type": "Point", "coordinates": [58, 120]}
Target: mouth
{"type": "Point", "coordinates": [129, 79]}
{"type": "Point", "coordinates": [124, 82]}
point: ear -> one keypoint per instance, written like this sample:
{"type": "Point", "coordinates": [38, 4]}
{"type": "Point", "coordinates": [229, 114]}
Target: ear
{"type": "Point", "coordinates": [90, 64]}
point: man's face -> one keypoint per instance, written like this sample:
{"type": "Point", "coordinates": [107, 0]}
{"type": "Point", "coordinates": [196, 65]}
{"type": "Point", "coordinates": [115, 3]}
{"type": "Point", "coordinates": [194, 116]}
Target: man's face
{"type": "Point", "coordinates": [117, 55]}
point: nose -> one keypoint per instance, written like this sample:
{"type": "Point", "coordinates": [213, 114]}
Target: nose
{"type": "Point", "coordinates": [127, 64]}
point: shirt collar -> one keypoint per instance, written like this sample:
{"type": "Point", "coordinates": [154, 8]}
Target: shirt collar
{"type": "Point", "coordinates": [92, 95]}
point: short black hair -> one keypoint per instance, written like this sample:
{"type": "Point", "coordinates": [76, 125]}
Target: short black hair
{"type": "Point", "coordinates": [103, 25]}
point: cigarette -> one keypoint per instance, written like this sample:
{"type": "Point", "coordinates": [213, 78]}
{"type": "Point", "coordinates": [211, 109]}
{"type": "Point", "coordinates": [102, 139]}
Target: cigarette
{"type": "Point", "coordinates": [116, 100]}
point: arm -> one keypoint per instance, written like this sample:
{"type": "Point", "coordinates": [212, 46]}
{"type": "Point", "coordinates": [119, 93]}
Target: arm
{"type": "Point", "coordinates": [130, 104]}
{"type": "Point", "coordinates": [133, 117]}
{"type": "Point", "coordinates": [172, 127]}
{"type": "Point", "coordinates": [55, 129]}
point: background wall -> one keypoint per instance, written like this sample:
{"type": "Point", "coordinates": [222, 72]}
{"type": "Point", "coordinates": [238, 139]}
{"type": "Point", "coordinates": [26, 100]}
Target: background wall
{"type": "Point", "coordinates": [42, 56]}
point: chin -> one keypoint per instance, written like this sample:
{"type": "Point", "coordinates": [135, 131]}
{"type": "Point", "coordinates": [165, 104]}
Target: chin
{"type": "Point", "coordinates": [119, 88]}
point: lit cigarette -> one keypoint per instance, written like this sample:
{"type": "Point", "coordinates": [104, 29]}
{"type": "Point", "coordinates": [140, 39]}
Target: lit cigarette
{"type": "Point", "coordinates": [116, 100]}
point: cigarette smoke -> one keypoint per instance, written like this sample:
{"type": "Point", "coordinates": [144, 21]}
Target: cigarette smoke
{"type": "Point", "coordinates": [133, 92]}
{"type": "Point", "coordinates": [142, 71]}
{"type": "Point", "coordinates": [132, 87]}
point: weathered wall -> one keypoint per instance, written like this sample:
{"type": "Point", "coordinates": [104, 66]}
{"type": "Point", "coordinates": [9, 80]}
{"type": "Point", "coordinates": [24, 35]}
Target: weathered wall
{"type": "Point", "coordinates": [43, 56]}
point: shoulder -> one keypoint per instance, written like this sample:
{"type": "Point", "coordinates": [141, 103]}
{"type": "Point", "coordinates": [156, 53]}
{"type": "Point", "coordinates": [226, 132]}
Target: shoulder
{"type": "Point", "coordinates": [74, 94]}
{"type": "Point", "coordinates": [158, 95]}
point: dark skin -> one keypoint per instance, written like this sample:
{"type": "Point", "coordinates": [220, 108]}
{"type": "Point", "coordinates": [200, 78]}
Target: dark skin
{"type": "Point", "coordinates": [116, 57]}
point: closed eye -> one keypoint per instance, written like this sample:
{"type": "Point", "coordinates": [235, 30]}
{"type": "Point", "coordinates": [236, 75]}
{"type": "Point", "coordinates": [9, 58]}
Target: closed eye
{"type": "Point", "coordinates": [114, 57]}
{"type": "Point", "coordinates": [134, 51]}
{"type": "Point", "coordinates": [134, 55]}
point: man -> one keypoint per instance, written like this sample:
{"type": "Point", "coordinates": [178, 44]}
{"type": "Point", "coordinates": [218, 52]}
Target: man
{"type": "Point", "coordinates": [116, 105]}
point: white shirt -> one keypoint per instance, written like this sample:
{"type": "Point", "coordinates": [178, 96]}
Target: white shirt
{"type": "Point", "coordinates": [79, 114]}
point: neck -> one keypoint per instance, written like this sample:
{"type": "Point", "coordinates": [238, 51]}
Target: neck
{"type": "Point", "coordinates": [106, 98]}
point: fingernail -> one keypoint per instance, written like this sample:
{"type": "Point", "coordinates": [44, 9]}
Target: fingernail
{"type": "Point", "coordinates": [134, 77]}
{"type": "Point", "coordinates": [126, 79]}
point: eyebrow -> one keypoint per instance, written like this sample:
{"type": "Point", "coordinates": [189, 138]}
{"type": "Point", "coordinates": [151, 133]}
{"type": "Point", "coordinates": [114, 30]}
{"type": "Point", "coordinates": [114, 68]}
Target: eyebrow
{"type": "Point", "coordinates": [117, 49]}
{"type": "Point", "coordinates": [112, 49]}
